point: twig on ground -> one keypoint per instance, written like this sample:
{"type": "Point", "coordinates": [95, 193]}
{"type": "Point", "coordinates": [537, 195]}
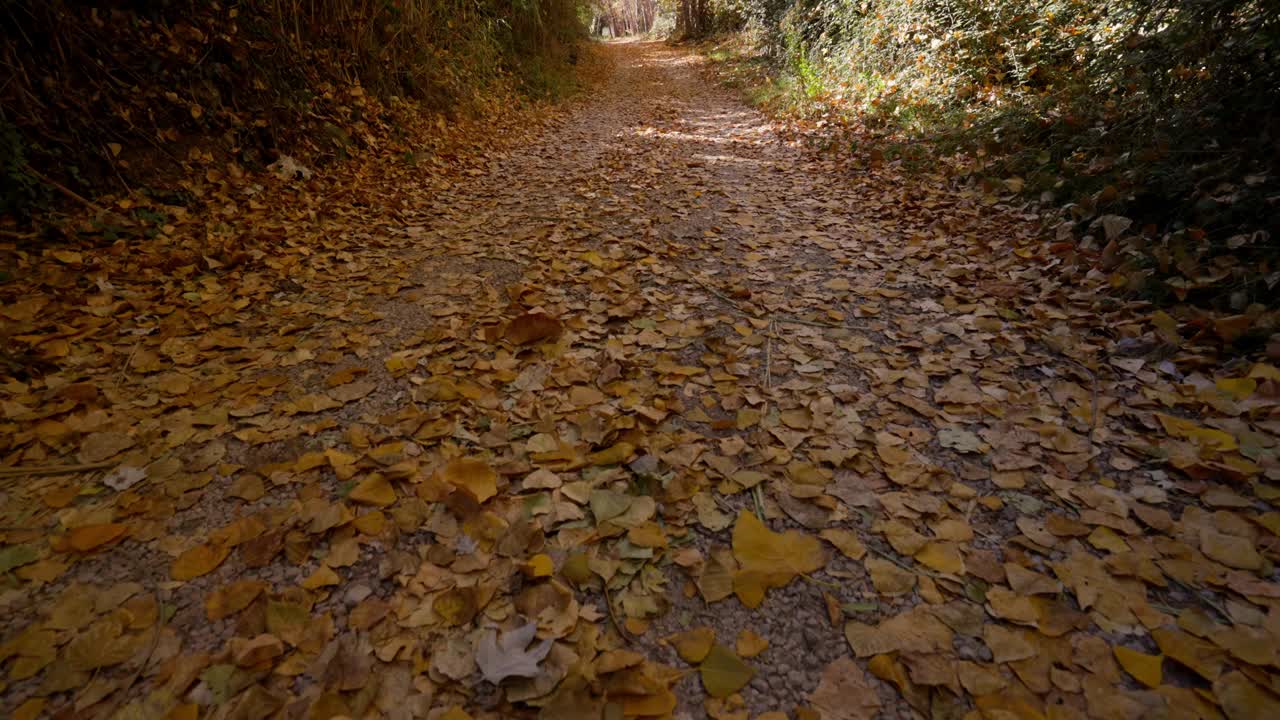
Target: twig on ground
{"type": "Point", "coordinates": [54, 469]}
{"type": "Point", "coordinates": [821, 583]}
{"type": "Point", "coordinates": [64, 190]}
{"type": "Point", "coordinates": [608, 603]}
{"type": "Point", "coordinates": [811, 323]}
{"type": "Point", "coordinates": [904, 566]}
{"type": "Point", "coordinates": [1208, 602]}
{"type": "Point", "coordinates": [740, 311]}
{"type": "Point", "coordinates": [768, 357]}
{"type": "Point", "coordinates": [151, 651]}
{"type": "Point", "coordinates": [124, 371]}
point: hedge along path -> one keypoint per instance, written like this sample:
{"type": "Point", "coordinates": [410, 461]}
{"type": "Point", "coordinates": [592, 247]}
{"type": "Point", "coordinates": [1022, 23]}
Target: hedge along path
{"type": "Point", "coordinates": [653, 414]}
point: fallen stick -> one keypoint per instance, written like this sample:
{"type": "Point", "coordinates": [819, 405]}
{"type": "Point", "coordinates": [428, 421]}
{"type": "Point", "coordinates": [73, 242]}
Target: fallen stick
{"type": "Point", "coordinates": [54, 469]}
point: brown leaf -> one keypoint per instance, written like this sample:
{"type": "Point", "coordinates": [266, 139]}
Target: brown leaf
{"type": "Point", "coordinates": [533, 327]}
{"type": "Point", "coordinates": [474, 476]}
{"type": "Point", "coordinates": [88, 538]}
{"type": "Point", "coordinates": [199, 560]}
{"type": "Point", "coordinates": [99, 446]}
{"type": "Point", "coordinates": [845, 693]}
{"type": "Point", "coordinates": [231, 599]}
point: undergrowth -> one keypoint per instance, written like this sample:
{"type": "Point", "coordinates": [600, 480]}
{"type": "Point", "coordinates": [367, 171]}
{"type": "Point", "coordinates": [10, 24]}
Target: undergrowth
{"type": "Point", "coordinates": [1159, 114]}
{"type": "Point", "coordinates": [123, 96]}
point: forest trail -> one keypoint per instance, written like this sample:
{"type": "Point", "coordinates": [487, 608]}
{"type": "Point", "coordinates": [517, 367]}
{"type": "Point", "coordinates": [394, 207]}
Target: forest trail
{"type": "Point", "coordinates": [316, 480]}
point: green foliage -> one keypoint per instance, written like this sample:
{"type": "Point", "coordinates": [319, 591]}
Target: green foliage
{"type": "Point", "coordinates": [21, 191]}
{"type": "Point", "coordinates": [1165, 111]}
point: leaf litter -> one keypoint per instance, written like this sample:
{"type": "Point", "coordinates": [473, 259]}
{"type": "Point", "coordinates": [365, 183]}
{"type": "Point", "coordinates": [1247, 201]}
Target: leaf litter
{"type": "Point", "coordinates": [653, 414]}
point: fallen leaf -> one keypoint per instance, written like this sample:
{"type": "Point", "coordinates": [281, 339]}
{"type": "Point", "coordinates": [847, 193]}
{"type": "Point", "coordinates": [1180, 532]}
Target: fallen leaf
{"type": "Point", "coordinates": [99, 446]}
{"type": "Point", "coordinates": [1144, 668]}
{"type": "Point", "coordinates": [693, 645]}
{"type": "Point", "coordinates": [845, 693]}
{"type": "Point", "coordinates": [88, 538]}
{"type": "Point", "coordinates": [769, 559]}
{"type": "Point", "coordinates": [509, 654]}
{"type": "Point", "coordinates": [374, 490]}
{"type": "Point", "coordinates": [723, 673]}
{"type": "Point", "coordinates": [475, 477]}
{"type": "Point", "coordinates": [231, 599]}
{"type": "Point", "coordinates": [750, 644]}
{"type": "Point", "coordinates": [533, 327]}
{"type": "Point", "coordinates": [943, 557]}
{"type": "Point", "coordinates": [846, 541]}
{"type": "Point", "coordinates": [199, 560]}
{"type": "Point", "coordinates": [1242, 699]}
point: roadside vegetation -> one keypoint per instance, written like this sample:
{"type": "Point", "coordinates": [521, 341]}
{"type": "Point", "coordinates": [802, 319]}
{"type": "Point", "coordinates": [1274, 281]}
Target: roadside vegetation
{"type": "Point", "coordinates": [136, 96]}
{"type": "Point", "coordinates": [1152, 125]}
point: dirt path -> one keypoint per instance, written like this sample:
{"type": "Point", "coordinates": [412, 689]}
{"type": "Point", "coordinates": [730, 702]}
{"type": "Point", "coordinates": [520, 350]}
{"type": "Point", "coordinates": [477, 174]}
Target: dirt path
{"type": "Point", "coordinates": [599, 359]}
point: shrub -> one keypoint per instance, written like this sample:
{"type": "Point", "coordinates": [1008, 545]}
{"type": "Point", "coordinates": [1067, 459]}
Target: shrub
{"type": "Point", "coordinates": [128, 90]}
{"type": "Point", "coordinates": [1165, 111]}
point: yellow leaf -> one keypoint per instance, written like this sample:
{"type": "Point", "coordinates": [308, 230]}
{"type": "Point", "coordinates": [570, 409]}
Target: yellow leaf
{"type": "Point", "coordinates": [1011, 606]}
{"type": "Point", "coordinates": [1205, 659]}
{"type": "Point", "coordinates": [1008, 705]}
{"type": "Point", "coordinates": [1167, 326]}
{"type": "Point", "coordinates": [943, 557]}
{"type": "Point", "coordinates": [576, 568]}
{"type": "Point", "coordinates": [693, 645]}
{"type": "Point", "coordinates": [233, 598]}
{"type": "Point", "coordinates": [653, 705]}
{"type": "Point", "coordinates": [457, 606]}
{"type": "Point", "coordinates": [399, 364]}
{"type": "Point", "coordinates": [769, 559]}
{"type": "Point", "coordinates": [29, 710]}
{"type": "Point", "coordinates": [750, 644]}
{"type": "Point", "coordinates": [612, 661]}
{"type": "Point", "coordinates": [1144, 668]}
{"type": "Point", "coordinates": [374, 490]}
{"type": "Point", "coordinates": [91, 537]}
{"type": "Point", "coordinates": [199, 560]}
{"type": "Point", "coordinates": [648, 535]}
{"type": "Point", "coordinates": [614, 455]}
{"type": "Point", "coordinates": [371, 523]}
{"type": "Point", "coordinates": [473, 476]}
{"type": "Point", "coordinates": [1213, 439]}
{"type": "Point", "coordinates": [1237, 388]}
{"type": "Point", "coordinates": [1241, 699]}
{"type": "Point", "coordinates": [539, 566]}
{"type": "Point", "coordinates": [724, 673]}
{"type": "Point", "coordinates": [1230, 550]}
{"type": "Point", "coordinates": [100, 645]}
{"type": "Point", "coordinates": [324, 576]}
{"type": "Point", "coordinates": [455, 713]}
{"type": "Point", "coordinates": [1104, 538]}
{"type": "Point", "coordinates": [189, 711]}
{"type": "Point", "coordinates": [846, 541]}
{"type": "Point", "coordinates": [888, 578]}
{"type": "Point", "coordinates": [1265, 372]}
